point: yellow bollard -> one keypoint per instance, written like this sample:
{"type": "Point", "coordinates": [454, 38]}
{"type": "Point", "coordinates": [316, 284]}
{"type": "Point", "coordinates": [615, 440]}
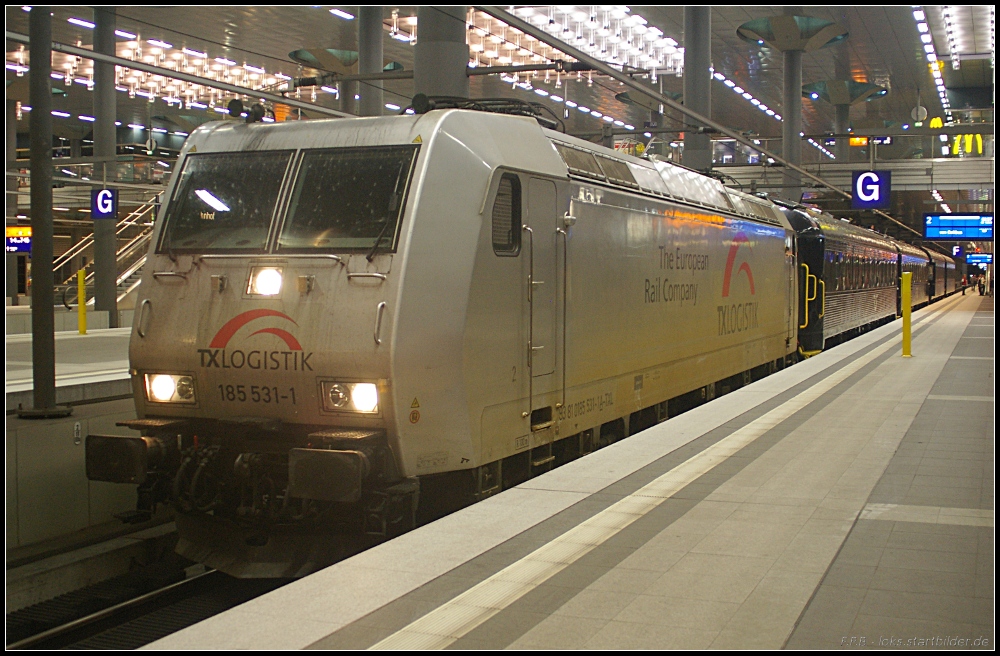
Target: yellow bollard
{"type": "Point", "coordinates": [907, 277]}
{"type": "Point", "coordinates": [81, 301]}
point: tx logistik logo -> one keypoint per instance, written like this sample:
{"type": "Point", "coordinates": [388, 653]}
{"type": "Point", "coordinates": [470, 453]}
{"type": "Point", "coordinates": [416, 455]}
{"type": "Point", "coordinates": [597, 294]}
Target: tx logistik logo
{"type": "Point", "coordinates": [217, 355]}
{"type": "Point", "coordinates": [737, 317]}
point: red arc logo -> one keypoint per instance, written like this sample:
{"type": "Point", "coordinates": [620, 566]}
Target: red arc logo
{"type": "Point", "coordinates": [740, 238]}
{"type": "Point", "coordinates": [227, 331]}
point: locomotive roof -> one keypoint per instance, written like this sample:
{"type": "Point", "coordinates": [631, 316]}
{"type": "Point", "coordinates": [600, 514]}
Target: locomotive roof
{"type": "Point", "coordinates": [499, 139]}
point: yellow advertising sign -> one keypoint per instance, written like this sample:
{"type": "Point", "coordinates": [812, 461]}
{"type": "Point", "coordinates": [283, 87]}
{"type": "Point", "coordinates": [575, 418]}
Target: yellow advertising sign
{"type": "Point", "coordinates": [859, 141]}
{"type": "Point", "coordinates": [18, 231]}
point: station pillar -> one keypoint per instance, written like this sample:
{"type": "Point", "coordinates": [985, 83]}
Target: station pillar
{"type": "Point", "coordinates": [370, 60]}
{"type": "Point", "coordinates": [346, 91]}
{"type": "Point", "coordinates": [43, 340]}
{"type": "Point", "coordinates": [105, 167]}
{"type": "Point", "coordinates": [791, 124]}
{"type": "Point", "coordinates": [842, 116]}
{"type": "Point", "coordinates": [441, 54]}
{"type": "Point", "coordinates": [10, 205]}
{"type": "Point", "coordinates": [697, 84]}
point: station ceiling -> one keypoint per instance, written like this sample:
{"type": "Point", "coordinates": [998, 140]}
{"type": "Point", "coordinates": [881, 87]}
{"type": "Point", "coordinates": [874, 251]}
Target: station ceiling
{"type": "Point", "coordinates": [883, 47]}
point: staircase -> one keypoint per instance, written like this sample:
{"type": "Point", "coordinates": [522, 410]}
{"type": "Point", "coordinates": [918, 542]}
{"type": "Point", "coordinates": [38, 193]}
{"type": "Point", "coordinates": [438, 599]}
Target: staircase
{"type": "Point", "coordinates": [137, 228]}
{"type": "Point", "coordinates": [130, 280]}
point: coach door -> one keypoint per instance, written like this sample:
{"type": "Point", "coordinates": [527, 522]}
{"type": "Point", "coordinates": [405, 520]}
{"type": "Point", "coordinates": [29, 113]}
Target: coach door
{"type": "Point", "coordinates": [792, 293]}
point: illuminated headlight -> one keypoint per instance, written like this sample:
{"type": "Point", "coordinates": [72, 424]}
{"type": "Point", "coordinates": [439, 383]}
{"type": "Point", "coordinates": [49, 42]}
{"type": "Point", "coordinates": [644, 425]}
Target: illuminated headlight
{"type": "Point", "coordinates": [264, 281]}
{"type": "Point", "coordinates": [169, 388]}
{"type": "Point", "coordinates": [350, 397]}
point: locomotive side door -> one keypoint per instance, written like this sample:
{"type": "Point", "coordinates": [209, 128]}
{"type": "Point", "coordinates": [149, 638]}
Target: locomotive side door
{"type": "Point", "coordinates": [541, 238]}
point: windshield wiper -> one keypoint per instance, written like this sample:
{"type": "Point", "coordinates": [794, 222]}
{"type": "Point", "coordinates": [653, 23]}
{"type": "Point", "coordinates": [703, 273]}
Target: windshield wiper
{"type": "Point", "coordinates": [378, 241]}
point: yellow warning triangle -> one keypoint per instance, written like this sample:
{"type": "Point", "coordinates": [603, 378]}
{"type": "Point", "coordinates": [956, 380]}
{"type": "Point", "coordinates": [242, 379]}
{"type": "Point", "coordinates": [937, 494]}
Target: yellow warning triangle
{"type": "Point", "coordinates": [418, 140]}
{"type": "Point", "coordinates": [414, 404]}
{"type": "Point", "coordinates": [193, 149]}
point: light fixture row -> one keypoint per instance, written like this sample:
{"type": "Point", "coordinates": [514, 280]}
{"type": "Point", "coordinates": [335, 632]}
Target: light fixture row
{"type": "Point", "coordinates": [924, 30]}
{"type": "Point", "coordinates": [749, 97]}
{"type": "Point", "coordinates": [937, 196]}
{"type": "Point", "coordinates": [161, 53]}
{"type": "Point", "coordinates": [612, 34]}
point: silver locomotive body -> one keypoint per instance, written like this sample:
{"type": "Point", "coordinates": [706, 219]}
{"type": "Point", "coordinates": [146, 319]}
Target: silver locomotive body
{"type": "Point", "coordinates": [483, 300]}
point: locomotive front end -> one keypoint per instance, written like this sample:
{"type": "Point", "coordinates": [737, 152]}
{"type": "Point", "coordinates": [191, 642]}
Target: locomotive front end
{"type": "Point", "coordinates": [259, 353]}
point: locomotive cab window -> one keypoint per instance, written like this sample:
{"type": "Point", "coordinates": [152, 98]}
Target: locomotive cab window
{"type": "Point", "coordinates": [224, 202]}
{"type": "Point", "coordinates": [348, 199]}
{"type": "Point", "coordinates": [507, 216]}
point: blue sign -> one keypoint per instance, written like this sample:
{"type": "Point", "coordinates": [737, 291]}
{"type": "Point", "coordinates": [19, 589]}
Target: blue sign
{"type": "Point", "coordinates": [104, 203]}
{"type": "Point", "coordinates": [979, 258]}
{"type": "Point", "coordinates": [974, 227]}
{"type": "Point", "coordinates": [881, 141]}
{"type": "Point", "coordinates": [830, 141]}
{"type": "Point", "coordinates": [18, 239]}
{"type": "Point", "coordinates": [956, 251]}
{"type": "Point", "coordinates": [18, 245]}
{"type": "Point", "coordinates": [870, 190]}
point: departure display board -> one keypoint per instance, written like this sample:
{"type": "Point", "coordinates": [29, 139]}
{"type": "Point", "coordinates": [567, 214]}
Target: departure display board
{"type": "Point", "coordinates": [976, 227]}
{"type": "Point", "coordinates": [18, 239]}
{"type": "Point", "coordinates": [979, 258]}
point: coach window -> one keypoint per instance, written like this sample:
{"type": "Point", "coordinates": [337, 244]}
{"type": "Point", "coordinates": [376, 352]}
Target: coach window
{"type": "Point", "coordinates": [507, 216]}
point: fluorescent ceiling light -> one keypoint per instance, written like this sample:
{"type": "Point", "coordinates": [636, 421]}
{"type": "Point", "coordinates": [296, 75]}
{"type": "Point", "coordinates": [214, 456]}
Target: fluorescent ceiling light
{"type": "Point", "coordinates": [342, 14]}
{"type": "Point", "coordinates": [81, 23]}
{"type": "Point", "coordinates": [159, 44]}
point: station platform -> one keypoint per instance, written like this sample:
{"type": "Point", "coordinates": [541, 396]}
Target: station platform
{"type": "Point", "coordinates": [845, 502]}
{"type": "Point", "coordinates": [90, 366]}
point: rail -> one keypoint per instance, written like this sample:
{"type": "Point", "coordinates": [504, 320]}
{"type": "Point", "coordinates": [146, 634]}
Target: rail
{"type": "Point", "coordinates": [104, 614]}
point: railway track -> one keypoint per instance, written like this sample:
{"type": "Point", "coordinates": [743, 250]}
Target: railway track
{"type": "Point", "coordinates": [135, 621]}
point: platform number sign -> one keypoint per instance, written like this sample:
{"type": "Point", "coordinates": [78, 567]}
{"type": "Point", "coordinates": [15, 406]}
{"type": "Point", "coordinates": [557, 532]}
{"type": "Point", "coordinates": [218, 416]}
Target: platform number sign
{"type": "Point", "coordinates": [870, 190]}
{"type": "Point", "coordinates": [104, 203]}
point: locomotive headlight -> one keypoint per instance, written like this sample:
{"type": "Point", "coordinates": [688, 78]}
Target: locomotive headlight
{"type": "Point", "coordinates": [264, 281]}
{"type": "Point", "coordinates": [161, 387]}
{"type": "Point", "coordinates": [365, 397]}
{"type": "Point", "coordinates": [350, 397]}
{"type": "Point", "coordinates": [169, 388]}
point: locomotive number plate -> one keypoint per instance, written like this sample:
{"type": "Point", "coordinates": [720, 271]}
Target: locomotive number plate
{"type": "Point", "coordinates": [257, 394]}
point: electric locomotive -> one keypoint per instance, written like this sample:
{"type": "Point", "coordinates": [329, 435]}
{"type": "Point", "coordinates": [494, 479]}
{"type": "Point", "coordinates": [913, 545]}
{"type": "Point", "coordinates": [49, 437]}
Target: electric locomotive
{"type": "Point", "coordinates": [347, 326]}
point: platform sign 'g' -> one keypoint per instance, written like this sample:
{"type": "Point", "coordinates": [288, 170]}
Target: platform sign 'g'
{"type": "Point", "coordinates": [870, 189]}
{"type": "Point", "coordinates": [104, 203]}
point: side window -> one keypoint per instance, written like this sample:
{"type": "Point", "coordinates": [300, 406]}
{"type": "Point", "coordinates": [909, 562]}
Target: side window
{"type": "Point", "coordinates": [507, 216]}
